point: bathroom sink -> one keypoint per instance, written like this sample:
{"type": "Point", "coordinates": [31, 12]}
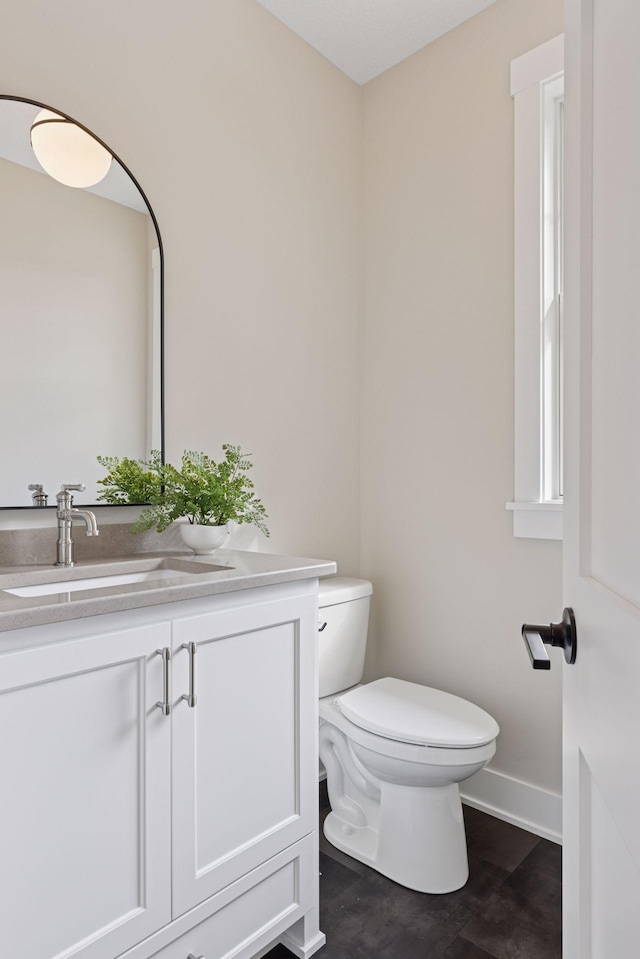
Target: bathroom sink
{"type": "Point", "coordinates": [80, 578]}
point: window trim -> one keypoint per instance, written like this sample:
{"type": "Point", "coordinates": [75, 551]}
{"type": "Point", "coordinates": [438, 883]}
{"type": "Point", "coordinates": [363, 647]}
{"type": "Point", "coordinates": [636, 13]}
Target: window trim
{"type": "Point", "coordinates": [533, 516]}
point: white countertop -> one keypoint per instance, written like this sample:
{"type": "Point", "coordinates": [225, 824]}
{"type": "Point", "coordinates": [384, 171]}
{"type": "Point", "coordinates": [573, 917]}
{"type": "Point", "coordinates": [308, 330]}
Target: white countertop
{"type": "Point", "coordinates": [230, 570]}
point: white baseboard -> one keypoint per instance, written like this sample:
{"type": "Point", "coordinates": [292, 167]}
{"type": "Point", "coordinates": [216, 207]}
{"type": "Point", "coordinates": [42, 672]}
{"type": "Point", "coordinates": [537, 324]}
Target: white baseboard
{"type": "Point", "coordinates": [521, 804]}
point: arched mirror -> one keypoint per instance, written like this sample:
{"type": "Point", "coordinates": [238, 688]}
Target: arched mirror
{"type": "Point", "coordinates": [81, 309]}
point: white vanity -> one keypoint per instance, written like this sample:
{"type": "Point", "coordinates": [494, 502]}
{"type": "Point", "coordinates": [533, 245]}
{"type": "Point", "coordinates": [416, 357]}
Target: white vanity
{"type": "Point", "coordinates": [159, 762]}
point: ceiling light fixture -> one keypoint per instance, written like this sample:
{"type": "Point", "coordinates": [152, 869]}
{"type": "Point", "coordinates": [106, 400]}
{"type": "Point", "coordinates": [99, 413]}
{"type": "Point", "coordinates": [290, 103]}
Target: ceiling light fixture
{"type": "Point", "coordinates": [67, 152]}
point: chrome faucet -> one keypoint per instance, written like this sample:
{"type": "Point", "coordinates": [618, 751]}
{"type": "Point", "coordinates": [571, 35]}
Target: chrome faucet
{"type": "Point", "coordinates": [66, 514]}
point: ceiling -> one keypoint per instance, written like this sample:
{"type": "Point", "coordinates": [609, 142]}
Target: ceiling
{"type": "Point", "coordinates": [363, 38]}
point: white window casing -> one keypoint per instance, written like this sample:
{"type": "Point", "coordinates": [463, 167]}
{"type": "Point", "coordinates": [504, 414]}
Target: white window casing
{"type": "Point", "coordinates": [537, 87]}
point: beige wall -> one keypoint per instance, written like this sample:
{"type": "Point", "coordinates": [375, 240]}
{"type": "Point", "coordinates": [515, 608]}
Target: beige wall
{"type": "Point", "coordinates": [247, 144]}
{"type": "Point", "coordinates": [452, 585]}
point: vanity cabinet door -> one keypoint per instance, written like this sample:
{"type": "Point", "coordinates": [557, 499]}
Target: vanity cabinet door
{"type": "Point", "coordinates": [84, 797]}
{"type": "Point", "coordinates": [244, 756]}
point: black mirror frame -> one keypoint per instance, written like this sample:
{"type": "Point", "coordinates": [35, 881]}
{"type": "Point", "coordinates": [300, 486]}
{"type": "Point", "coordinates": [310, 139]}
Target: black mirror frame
{"type": "Point", "coordinates": [45, 106]}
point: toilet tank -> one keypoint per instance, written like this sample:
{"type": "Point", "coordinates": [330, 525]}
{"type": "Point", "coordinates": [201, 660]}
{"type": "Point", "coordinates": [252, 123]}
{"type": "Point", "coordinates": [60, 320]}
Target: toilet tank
{"type": "Point", "coordinates": [343, 618]}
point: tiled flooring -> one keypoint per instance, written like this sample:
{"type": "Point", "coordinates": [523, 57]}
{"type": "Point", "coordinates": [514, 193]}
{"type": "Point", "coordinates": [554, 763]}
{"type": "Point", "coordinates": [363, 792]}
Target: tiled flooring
{"type": "Point", "coordinates": [509, 908]}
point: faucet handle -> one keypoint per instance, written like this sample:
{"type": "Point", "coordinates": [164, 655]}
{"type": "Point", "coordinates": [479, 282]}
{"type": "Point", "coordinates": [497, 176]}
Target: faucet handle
{"type": "Point", "coordinates": [39, 496]}
{"type": "Point", "coordinates": [64, 498]}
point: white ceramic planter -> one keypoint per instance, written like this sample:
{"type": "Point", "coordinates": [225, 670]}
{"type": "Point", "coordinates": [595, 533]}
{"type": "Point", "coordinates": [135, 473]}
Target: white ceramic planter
{"type": "Point", "coordinates": [203, 539]}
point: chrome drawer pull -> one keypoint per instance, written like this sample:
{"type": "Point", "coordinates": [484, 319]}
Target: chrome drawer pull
{"type": "Point", "coordinates": [191, 697]}
{"type": "Point", "coordinates": [191, 955]}
{"type": "Point", "coordinates": [165, 705]}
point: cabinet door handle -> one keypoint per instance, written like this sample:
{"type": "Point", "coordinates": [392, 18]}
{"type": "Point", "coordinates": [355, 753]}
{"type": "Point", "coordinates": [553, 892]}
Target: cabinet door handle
{"type": "Point", "coordinates": [191, 697]}
{"type": "Point", "coordinates": [164, 705]}
{"type": "Point", "coordinates": [191, 955]}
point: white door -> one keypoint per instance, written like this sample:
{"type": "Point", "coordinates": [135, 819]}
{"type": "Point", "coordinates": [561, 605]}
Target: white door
{"type": "Point", "coordinates": [244, 745]}
{"type": "Point", "coordinates": [602, 482]}
{"type": "Point", "coordinates": [84, 797]}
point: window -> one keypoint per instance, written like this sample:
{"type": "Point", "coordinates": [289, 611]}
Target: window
{"type": "Point", "coordinates": [551, 279]}
{"type": "Point", "coordinates": [537, 86]}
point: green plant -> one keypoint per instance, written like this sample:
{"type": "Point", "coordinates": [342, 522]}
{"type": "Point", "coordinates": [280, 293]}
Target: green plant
{"type": "Point", "coordinates": [206, 492]}
{"type": "Point", "coordinates": [131, 481]}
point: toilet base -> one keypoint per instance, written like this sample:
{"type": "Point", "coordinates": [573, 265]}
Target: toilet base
{"type": "Point", "coordinates": [419, 842]}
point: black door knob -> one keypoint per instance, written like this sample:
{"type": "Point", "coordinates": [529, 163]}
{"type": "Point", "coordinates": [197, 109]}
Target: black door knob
{"type": "Point", "coordinates": [556, 634]}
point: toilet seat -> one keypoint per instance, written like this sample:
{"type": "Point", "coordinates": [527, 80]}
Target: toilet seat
{"type": "Point", "coordinates": [410, 713]}
{"type": "Point", "coordinates": [330, 712]}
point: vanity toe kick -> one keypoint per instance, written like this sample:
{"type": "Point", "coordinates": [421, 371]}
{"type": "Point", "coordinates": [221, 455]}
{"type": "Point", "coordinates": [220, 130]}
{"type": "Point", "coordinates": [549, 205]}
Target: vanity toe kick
{"type": "Point", "coordinates": [254, 911]}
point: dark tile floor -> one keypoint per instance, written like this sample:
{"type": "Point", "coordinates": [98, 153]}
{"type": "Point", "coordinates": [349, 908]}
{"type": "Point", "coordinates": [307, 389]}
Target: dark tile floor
{"type": "Point", "coordinates": [509, 908]}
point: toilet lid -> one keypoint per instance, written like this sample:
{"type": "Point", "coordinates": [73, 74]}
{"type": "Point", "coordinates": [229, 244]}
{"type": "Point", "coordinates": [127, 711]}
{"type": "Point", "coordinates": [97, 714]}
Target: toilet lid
{"type": "Point", "coordinates": [410, 713]}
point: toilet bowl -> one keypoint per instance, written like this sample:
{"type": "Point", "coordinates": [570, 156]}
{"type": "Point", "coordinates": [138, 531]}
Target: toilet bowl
{"type": "Point", "coordinates": [394, 753]}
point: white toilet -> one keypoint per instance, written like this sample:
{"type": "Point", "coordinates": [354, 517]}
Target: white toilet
{"type": "Point", "coordinates": [394, 753]}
